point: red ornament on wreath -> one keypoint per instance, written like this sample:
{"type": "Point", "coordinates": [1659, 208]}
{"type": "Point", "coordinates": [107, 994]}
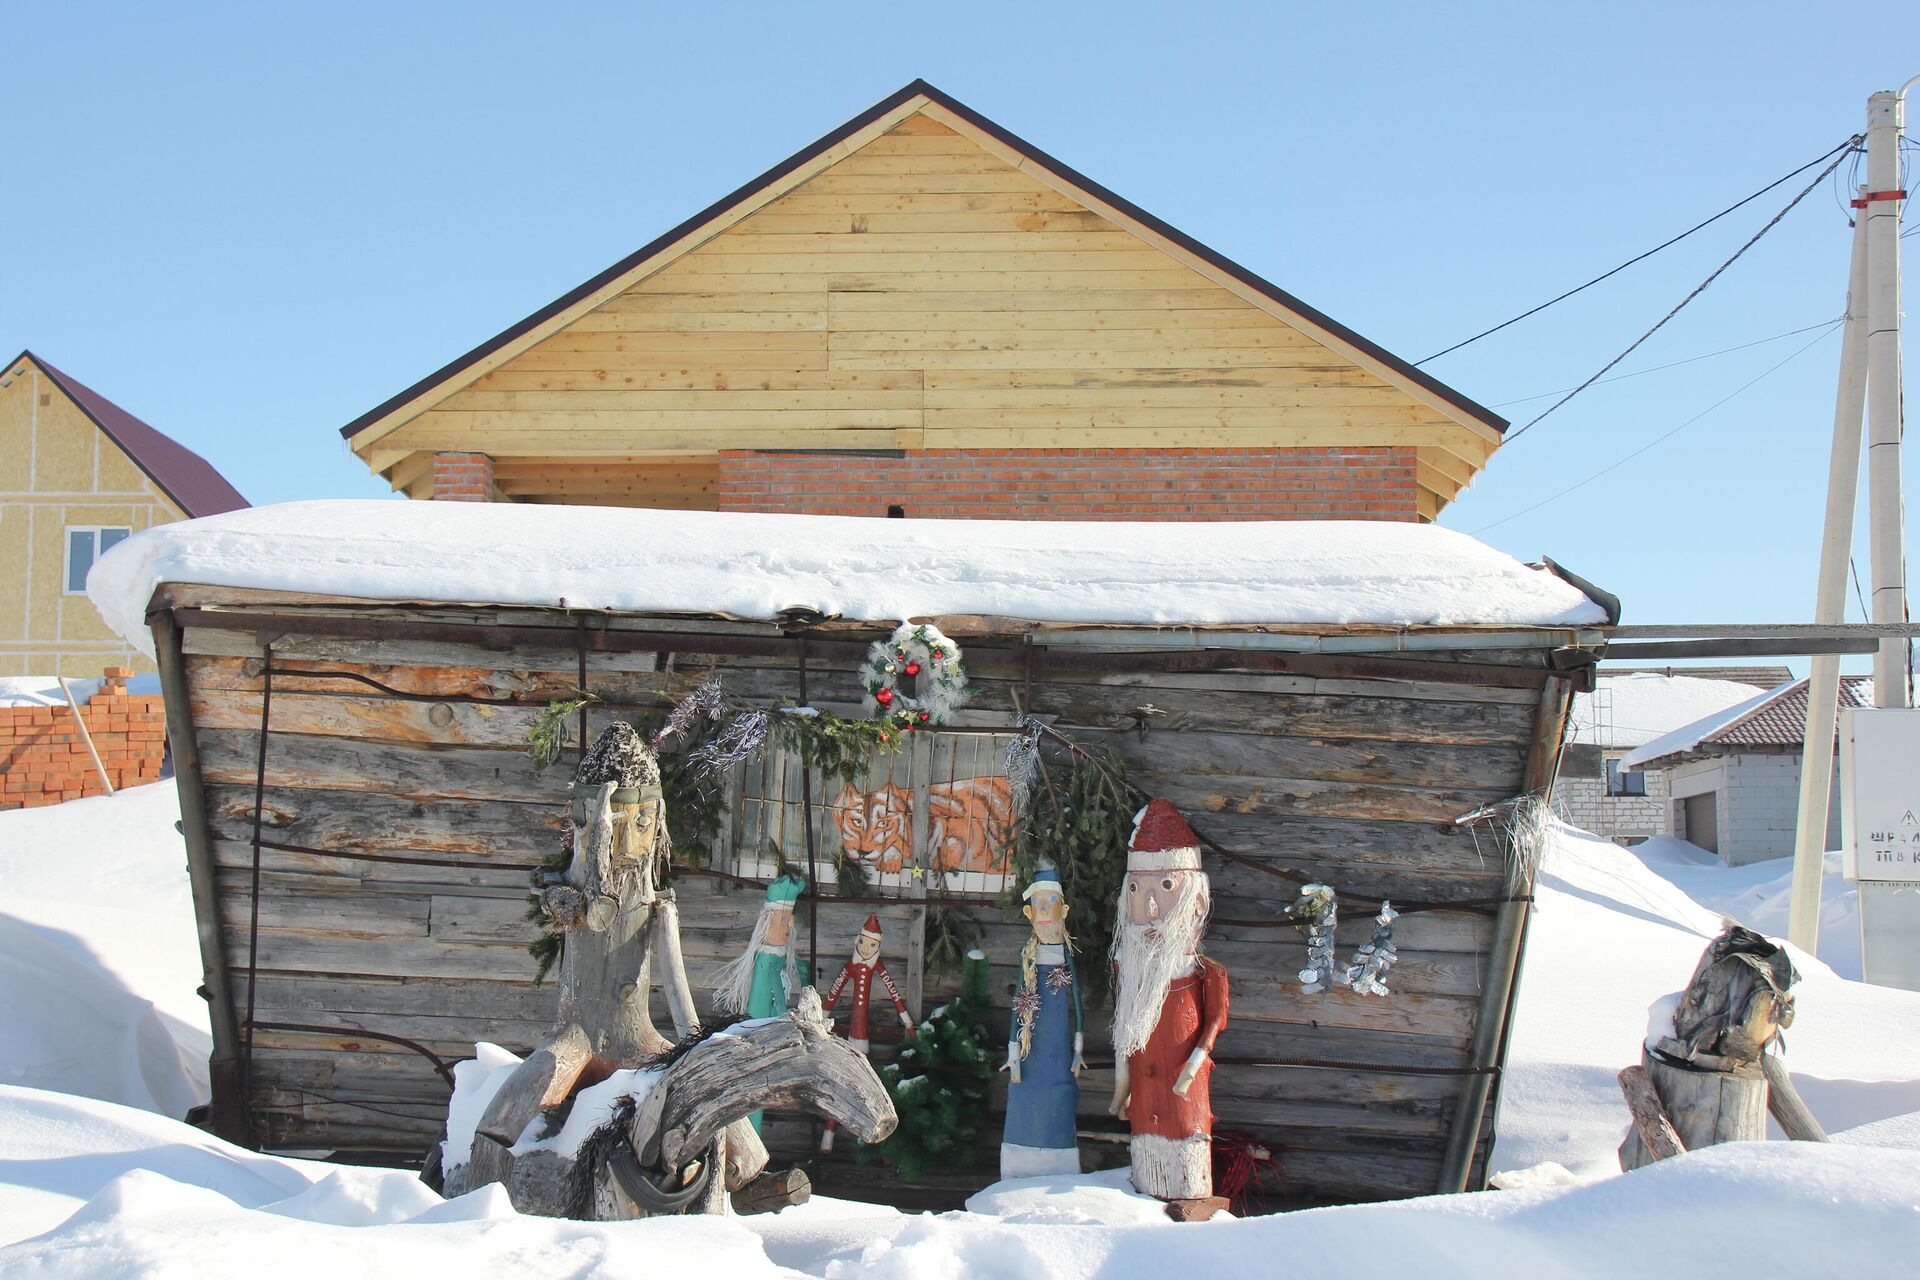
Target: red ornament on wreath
{"type": "Point", "coordinates": [931, 660]}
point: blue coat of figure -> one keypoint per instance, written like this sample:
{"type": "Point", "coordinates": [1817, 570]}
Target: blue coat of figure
{"type": "Point", "coordinates": [764, 979]}
{"type": "Point", "coordinates": [1044, 1053]}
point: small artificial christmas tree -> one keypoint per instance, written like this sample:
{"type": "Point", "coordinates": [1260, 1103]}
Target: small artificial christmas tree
{"type": "Point", "coordinates": [939, 1083]}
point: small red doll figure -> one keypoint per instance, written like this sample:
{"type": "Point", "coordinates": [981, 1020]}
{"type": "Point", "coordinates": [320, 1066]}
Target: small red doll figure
{"type": "Point", "coordinates": [862, 969]}
{"type": "Point", "coordinates": [1169, 1005]}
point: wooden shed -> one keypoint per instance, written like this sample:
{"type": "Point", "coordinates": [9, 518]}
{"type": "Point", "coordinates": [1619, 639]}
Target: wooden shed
{"type": "Point", "coordinates": [350, 688]}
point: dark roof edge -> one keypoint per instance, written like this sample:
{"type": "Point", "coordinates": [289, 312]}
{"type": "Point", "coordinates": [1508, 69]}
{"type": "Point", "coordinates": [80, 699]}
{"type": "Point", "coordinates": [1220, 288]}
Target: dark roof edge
{"type": "Point", "coordinates": [79, 402]}
{"type": "Point", "coordinates": [638, 256]}
{"type": "Point", "coordinates": [1221, 261]}
{"type": "Point", "coordinates": [920, 87]}
{"type": "Point", "coordinates": [1600, 596]}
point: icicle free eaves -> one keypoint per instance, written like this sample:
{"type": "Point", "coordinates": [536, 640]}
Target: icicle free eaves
{"type": "Point", "coordinates": [753, 566]}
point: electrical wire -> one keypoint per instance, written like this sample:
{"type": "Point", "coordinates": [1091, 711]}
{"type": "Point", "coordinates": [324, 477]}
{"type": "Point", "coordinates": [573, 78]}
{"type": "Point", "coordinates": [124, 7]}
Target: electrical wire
{"type": "Point", "coordinates": [1757, 342]}
{"type": "Point", "coordinates": [1668, 435]}
{"type": "Point", "coordinates": [1698, 289]}
{"type": "Point", "coordinates": [1666, 244]}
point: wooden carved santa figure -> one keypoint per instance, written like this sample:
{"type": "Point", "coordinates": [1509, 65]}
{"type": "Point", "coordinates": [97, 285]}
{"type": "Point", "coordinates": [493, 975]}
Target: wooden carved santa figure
{"type": "Point", "coordinates": [861, 970]}
{"type": "Point", "coordinates": [1169, 1005]}
{"type": "Point", "coordinates": [765, 979]}
{"type": "Point", "coordinates": [1043, 1051]}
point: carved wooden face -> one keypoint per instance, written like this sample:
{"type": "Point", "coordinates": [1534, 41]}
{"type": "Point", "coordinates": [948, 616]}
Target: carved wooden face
{"type": "Point", "coordinates": [1149, 895]}
{"type": "Point", "coordinates": [779, 926]}
{"type": "Point", "coordinates": [639, 831]}
{"type": "Point", "coordinates": [866, 947]}
{"type": "Point", "coordinates": [1047, 911]}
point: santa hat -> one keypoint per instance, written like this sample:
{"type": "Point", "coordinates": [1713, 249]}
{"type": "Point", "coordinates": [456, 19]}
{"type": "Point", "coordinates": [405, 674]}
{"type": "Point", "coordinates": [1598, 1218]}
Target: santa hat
{"type": "Point", "coordinates": [1162, 841]}
{"type": "Point", "coordinates": [871, 929]}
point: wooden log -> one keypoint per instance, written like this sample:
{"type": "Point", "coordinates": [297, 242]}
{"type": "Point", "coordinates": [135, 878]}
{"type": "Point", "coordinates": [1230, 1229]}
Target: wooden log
{"type": "Point", "coordinates": [1706, 1107]}
{"type": "Point", "coordinates": [795, 1062]}
{"type": "Point", "coordinates": [1784, 1101]}
{"type": "Point", "coordinates": [1650, 1121]}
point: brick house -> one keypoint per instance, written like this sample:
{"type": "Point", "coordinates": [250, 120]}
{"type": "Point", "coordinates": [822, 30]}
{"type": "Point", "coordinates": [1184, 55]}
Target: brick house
{"type": "Point", "coordinates": [924, 315]}
{"type": "Point", "coordinates": [1733, 778]}
{"type": "Point", "coordinates": [1629, 709]}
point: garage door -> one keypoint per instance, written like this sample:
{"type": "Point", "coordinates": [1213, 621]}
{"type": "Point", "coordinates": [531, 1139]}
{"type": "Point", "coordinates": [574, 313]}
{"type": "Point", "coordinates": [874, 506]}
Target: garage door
{"type": "Point", "coordinates": [1702, 815]}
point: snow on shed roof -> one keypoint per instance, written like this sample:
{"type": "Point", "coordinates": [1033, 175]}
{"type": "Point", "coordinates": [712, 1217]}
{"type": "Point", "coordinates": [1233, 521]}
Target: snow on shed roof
{"type": "Point", "coordinates": [754, 565]}
{"type": "Point", "coordinates": [1777, 718]}
{"type": "Point", "coordinates": [1632, 709]}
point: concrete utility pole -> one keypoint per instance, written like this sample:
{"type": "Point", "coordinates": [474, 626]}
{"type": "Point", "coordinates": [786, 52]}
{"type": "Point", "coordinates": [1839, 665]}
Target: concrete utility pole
{"type": "Point", "coordinates": [1885, 119]}
{"type": "Point", "coordinates": [1830, 603]}
{"type": "Point", "coordinates": [1869, 369]}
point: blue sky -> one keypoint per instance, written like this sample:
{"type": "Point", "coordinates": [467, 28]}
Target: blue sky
{"type": "Point", "coordinates": [249, 224]}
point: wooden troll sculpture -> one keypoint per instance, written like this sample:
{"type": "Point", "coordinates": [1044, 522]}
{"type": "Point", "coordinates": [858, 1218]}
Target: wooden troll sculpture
{"type": "Point", "coordinates": [682, 1114]}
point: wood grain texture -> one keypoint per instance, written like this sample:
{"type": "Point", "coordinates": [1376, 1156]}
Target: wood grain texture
{"type": "Point", "coordinates": [1356, 781]}
{"type": "Point", "coordinates": [920, 263]}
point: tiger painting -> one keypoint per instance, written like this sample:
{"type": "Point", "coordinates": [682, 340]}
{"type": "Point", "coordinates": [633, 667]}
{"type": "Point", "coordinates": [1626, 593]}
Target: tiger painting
{"type": "Point", "coordinates": [964, 825]}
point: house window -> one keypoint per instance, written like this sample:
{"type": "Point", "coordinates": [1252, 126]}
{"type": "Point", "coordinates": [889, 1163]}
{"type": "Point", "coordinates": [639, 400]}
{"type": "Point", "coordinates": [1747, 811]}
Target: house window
{"type": "Point", "coordinates": [941, 805]}
{"type": "Point", "coordinates": [85, 544]}
{"type": "Point", "coordinates": [1625, 784]}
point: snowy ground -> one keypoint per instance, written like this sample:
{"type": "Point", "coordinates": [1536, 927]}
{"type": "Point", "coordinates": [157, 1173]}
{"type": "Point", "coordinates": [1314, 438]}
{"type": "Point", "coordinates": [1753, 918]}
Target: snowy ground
{"type": "Point", "coordinates": [99, 1003]}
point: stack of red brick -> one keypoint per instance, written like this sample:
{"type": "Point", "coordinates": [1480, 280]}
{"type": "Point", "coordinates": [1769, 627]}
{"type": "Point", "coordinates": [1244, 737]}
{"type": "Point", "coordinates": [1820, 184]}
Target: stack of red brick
{"type": "Point", "coordinates": [43, 759]}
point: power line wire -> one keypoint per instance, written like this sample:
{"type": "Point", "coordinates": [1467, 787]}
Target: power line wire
{"type": "Point", "coordinates": [1757, 342]}
{"type": "Point", "coordinates": [1667, 244]}
{"type": "Point", "coordinates": [1663, 438]}
{"type": "Point", "coordinates": [1679, 306]}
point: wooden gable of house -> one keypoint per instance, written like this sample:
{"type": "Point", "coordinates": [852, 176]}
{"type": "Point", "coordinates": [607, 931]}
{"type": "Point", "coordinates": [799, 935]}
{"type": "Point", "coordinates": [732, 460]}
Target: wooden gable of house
{"type": "Point", "coordinates": [920, 280]}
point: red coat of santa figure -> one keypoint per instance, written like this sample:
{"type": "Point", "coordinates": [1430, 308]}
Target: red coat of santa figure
{"type": "Point", "coordinates": [861, 971]}
{"type": "Point", "coordinates": [1170, 1004]}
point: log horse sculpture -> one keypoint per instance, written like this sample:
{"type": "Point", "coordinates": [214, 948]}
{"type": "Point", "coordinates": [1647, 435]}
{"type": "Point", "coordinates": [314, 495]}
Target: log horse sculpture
{"type": "Point", "coordinates": [659, 1154]}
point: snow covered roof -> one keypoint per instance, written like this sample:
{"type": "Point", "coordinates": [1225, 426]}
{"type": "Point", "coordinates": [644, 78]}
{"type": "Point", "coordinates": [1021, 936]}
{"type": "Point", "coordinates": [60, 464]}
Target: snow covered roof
{"type": "Point", "coordinates": [1631, 710]}
{"type": "Point", "coordinates": [754, 566]}
{"type": "Point", "coordinates": [1777, 718]}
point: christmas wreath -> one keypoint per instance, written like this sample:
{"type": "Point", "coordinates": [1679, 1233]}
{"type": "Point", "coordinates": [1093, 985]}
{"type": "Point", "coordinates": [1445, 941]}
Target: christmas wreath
{"type": "Point", "coordinates": [919, 652]}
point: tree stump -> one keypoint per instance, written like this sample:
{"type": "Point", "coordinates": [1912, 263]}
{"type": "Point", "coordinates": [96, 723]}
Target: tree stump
{"type": "Point", "coordinates": [1705, 1107]}
{"type": "Point", "coordinates": [1708, 1075]}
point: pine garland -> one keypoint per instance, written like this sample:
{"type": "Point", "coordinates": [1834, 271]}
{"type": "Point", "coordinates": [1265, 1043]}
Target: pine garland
{"type": "Point", "coordinates": [939, 1083]}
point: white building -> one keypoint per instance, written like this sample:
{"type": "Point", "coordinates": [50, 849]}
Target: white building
{"type": "Point", "coordinates": [1733, 778]}
{"type": "Point", "coordinates": [1629, 709]}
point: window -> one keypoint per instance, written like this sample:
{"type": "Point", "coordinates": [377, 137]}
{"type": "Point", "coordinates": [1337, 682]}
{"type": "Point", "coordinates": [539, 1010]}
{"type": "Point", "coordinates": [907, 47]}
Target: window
{"type": "Point", "coordinates": [85, 544]}
{"type": "Point", "coordinates": [1625, 784]}
{"type": "Point", "coordinates": [941, 804]}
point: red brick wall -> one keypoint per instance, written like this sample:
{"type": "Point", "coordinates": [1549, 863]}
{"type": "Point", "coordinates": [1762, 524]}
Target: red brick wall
{"type": "Point", "coordinates": [43, 760]}
{"type": "Point", "coordinates": [1375, 483]}
{"type": "Point", "coordinates": [462, 477]}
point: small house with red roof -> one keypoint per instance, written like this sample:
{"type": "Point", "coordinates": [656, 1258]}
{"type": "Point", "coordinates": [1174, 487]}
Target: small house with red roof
{"type": "Point", "coordinates": [81, 474]}
{"type": "Point", "coordinates": [1733, 777]}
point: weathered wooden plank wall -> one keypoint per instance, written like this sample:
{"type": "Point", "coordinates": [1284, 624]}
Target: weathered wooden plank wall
{"type": "Point", "coordinates": [1352, 781]}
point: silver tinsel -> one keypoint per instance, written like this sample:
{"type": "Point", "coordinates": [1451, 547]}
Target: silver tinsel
{"type": "Point", "coordinates": [1022, 762]}
{"type": "Point", "coordinates": [739, 740]}
{"type": "Point", "coordinates": [1371, 962]}
{"type": "Point", "coordinates": [1317, 916]}
{"type": "Point", "coordinates": [707, 702]}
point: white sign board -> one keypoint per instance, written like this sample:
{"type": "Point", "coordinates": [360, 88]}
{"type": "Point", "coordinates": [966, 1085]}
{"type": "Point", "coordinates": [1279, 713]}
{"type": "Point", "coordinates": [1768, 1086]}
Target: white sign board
{"type": "Point", "coordinates": [1880, 793]}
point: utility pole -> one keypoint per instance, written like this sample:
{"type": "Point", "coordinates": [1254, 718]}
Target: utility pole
{"type": "Point", "coordinates": [1870, 378]}
{"type": "Point", "coordinates": [1830, 602]}
{"type": "Point", "coordinates": [1882, 200]}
